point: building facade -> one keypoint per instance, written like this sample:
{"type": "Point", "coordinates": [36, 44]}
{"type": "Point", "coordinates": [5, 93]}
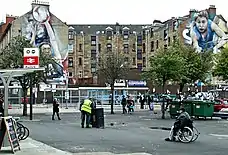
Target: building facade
{"type": "Point", "coordinates": [77, 47]}
{"type": "Point", "coordinates": [137, 42]}
{"type": "Point", "coordinates": [44, 31]}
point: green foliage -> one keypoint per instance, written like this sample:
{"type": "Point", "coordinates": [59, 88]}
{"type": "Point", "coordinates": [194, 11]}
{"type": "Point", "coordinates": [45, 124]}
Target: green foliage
{"type": "Point", "coordinates": [221, 67]}
{"type": "Point", "coordinates": [12, 54]}
{"type": "Point", "coordinates": [12, 57]}
{"type": "Point", "coordinates": [179, 63]}
{"type": "Point", "coordinates": [166, 65]}
{"type": "Point", "coordinates": [196, 65]}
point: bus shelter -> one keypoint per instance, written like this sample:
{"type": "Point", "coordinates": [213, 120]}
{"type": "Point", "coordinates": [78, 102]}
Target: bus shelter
{"type": "Point", "coordinates": [6, 75]}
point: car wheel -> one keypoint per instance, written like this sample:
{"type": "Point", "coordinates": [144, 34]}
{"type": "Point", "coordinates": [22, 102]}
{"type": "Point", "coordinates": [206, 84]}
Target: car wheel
{"type": "Point", "coordinates": [223, 118]}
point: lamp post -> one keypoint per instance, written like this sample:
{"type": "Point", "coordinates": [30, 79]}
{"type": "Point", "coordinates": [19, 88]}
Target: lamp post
{"type": "Point", "coordinates": [67, 91]}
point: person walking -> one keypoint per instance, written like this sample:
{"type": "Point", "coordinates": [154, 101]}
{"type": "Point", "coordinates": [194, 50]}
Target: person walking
{"type": "Point", "coordinates": [124, 103]}
{"type": "Point", "coordinates": [86, 110]}
{"type": "Point", "coordinates": [55, 109]}
{"type": "Point", "coordinates": [130, 104]}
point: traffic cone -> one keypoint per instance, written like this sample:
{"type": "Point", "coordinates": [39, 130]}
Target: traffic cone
{"type": "Point", "coordinates": [10, 106]}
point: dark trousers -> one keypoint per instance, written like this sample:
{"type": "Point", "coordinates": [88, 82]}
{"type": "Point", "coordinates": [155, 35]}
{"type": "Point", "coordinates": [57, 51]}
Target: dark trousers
{"type": "Point", "coordinates": [85, 115]}
{"type": "Point", "coordinates": [124, 109]}
{"type": "Point", "coordinates": [53, 115]}
{"type": "Point", "coordinates": [141, 105]}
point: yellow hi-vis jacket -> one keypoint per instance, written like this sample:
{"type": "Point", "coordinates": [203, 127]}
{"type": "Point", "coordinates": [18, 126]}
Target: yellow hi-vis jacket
{"type": "Point", "coordinates": [86, 106]}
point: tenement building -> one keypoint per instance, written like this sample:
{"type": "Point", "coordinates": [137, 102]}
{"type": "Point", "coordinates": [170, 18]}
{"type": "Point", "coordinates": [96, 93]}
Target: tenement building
{"type": "Point", "coordinates": [76, 48]}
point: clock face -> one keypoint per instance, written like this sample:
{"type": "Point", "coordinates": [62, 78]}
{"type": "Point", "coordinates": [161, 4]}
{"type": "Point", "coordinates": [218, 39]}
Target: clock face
{"type": "Point", "coordinates": [40, 14]}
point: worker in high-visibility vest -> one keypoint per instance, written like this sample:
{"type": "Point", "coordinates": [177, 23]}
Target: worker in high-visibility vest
{"type": "Point", "coordinates": [86, 110]}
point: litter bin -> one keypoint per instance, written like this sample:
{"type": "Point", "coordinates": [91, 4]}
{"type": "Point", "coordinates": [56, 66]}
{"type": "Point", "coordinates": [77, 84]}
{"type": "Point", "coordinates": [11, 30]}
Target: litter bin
{"type": "Point", "coordinates": [188, 106]}
{"type": "Point", "coordinates": [173, 108]}
{"type": "Point", "coordinates": [203, 109]}
{"type": "Point", "coordinates": [97, 118]}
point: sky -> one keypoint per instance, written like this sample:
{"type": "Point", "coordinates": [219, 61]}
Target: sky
{"type": "Point", "coordinates": [112, 11]}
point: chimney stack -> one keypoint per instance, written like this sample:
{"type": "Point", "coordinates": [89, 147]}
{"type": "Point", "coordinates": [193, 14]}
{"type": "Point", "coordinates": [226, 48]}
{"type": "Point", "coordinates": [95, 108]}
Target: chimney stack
{"type": "Point", "coordinates": [41, 3]}
{"type": "Point", "coordinates": [212, 12]}
{"type": "Point", "coordinates": [191, 13]}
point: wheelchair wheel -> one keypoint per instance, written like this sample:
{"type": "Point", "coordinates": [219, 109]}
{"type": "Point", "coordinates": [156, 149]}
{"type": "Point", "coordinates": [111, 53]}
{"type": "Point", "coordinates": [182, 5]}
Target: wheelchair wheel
{"type": "Point", "coordinates": [195, 134]}
{"type": "Point", "coordinates": [185, 135]}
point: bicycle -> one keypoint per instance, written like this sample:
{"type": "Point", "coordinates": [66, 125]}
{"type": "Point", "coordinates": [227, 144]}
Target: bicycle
{"type": "Point", "coordinates": [22, 131]}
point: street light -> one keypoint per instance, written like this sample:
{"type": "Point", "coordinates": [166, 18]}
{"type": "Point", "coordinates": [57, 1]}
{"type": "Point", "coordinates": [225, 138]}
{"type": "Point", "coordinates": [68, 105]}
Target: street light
{"type": "Point", "coordinates": [67, 91]}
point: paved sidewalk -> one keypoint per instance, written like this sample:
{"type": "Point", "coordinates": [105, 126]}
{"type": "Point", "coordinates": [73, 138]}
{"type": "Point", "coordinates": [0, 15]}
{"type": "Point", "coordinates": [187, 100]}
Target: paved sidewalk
{"type": "Point", "coordinates": [32, 147]}
{"type": "Point", "coordinates": [40, 109]}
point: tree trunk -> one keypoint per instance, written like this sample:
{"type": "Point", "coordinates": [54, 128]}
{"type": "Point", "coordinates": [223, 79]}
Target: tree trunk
{"type": "Point", "coordinates": [24, 103]}
{"type": "Point", "coordinates": [112, 100]}
{"type": "Point", "coordinates": [163, 101]}
{"type": "Point", "coordinates": [181, 86]}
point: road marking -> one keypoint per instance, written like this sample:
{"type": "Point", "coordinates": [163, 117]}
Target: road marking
{"type": "Point", "coordinates": [217, 135]}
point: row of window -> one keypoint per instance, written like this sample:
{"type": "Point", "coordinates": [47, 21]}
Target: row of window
{"type": "Point", "coordinates": [125, 47]}
{"type": "Point", "coordinates": [153, 45]}
{"type": "Point", "coordinates": [125, 33]}
{"type": "Point", "coordinates": [93, 65]}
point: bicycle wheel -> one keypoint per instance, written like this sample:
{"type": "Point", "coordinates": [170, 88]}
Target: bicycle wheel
{"type": "Point", "coordinates": [26, 133]}
{"type": "Point", "coordinates": [20, 133]}
{"type": "Point", "coordinates": [185, 135]}
{"type": "Point", "coordinates": [19, 125]}
{"type": "Point", "coordinates": [195, 134]}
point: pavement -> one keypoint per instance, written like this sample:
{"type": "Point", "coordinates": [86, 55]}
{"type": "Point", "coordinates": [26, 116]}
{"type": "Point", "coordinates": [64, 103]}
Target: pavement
{"type": "Point", "coordinates": [41, 109]}
{"type": "Point", "coordinates": [123, 134]}
{"type": "Point", "coordinates": [33, 147]}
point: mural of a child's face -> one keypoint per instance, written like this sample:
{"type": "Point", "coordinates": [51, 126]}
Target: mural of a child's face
{"type": "Point", "coordinates": [201, 24]}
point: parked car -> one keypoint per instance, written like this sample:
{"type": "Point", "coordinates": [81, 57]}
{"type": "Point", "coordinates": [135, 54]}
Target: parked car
{"type": "Point", "coordinates": [220, 104]}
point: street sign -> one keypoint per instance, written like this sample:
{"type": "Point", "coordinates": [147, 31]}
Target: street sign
{"type": "Point", "coordinates": [67, 96]}
{"type": "Point", "coordinates": [31, 57]}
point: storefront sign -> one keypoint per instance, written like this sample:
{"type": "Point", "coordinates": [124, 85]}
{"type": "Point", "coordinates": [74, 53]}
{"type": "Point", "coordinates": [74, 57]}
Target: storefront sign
{"type": "Point", "coordinates": [137, 83]}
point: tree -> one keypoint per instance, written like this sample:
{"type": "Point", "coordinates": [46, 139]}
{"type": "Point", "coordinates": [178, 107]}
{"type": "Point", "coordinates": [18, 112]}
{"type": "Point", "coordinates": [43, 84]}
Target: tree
{"type": "Point", "coordinates": [112, 67]}
{"type": "Point", "coordinates": [221, 67]}
{"type": "Point", "coordinates": [165, 65]}
{"type": "Point", "coordinates": [13, 53]}
{"type": "Point", "coordinates": [196, 65]}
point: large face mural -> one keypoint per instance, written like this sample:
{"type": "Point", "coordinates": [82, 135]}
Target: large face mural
{"type": "Point", "coordinates": [38, 28]}
{"type": "Point", "coordinates": [206, 32]}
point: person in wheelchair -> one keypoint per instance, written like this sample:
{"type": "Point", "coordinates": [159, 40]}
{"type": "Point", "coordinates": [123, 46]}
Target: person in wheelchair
{"type": "Point", "coordinates": [183, 120]}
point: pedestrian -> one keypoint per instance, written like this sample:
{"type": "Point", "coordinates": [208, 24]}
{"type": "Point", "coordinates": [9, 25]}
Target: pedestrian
{"type": "Point", "coordinates": [141, 100]}
{"type": "Point", "coordinates": [55, 109]}
{"type": "Point", "coordinates": [124, 103]}
{"type": "Point", "coordinates": [151, 103]}
{"type": "Point", "coordinates": [130, 104]}
{"type": "Point", "coordinates": [86, 108]}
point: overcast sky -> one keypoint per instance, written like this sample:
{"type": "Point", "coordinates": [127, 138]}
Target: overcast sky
{"type": "Point", "coordinates": [112, 11]}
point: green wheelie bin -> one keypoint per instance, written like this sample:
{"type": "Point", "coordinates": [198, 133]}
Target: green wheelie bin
{"type": "Point", "coordinates": [173, 108]}
{"type": "Point", "coordinates": [203, 109]}
{"type": "Point", "coordinates": [188, 105]}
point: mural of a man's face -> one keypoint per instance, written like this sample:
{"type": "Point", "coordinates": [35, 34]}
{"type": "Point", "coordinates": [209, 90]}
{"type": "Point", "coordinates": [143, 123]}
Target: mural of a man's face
{"type": "Point", "coordinates": [201, 24]}
{"type": "Point", "coordinates": [46, 49]}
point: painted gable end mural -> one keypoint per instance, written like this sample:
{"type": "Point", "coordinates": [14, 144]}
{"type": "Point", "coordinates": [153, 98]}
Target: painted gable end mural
{"type": "Point", "coordinates": [206, 31]}
{"type": "Point", "coordinates": [49, 34]}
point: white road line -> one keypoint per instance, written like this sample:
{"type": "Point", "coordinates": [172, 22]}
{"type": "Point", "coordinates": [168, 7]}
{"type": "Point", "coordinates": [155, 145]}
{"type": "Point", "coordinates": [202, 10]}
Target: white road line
{"type": "Point", "coordinates": [217, 135]}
